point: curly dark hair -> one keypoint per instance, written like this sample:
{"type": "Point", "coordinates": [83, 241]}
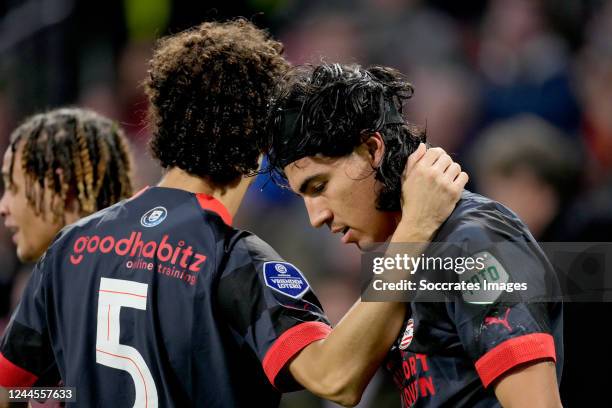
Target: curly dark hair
{"type": "Point", "coordinates": [208, 89]}
{"type": "Point", "coordinates": [73, 154]}
{"type": "Point", "coordinates": [330, 109]}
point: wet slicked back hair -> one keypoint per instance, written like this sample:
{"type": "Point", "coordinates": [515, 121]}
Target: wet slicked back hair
{"type": "Point", "coordinates": [208, 89]}
{"type": "Point", "coordinates": [72, 154]}
{"type": "Point", "coordinates": [331, 109]}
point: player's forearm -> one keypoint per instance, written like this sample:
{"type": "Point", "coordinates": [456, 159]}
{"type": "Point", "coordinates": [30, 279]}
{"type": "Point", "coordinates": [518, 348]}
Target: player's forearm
{"type": "Point", "coordinates": [339, 367]}
{"type": "Point", "coordinates": [533, 385]}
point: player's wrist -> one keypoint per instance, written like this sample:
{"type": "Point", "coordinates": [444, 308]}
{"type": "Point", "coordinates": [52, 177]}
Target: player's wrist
{"type": "Point", "coordinates": [409, 230]}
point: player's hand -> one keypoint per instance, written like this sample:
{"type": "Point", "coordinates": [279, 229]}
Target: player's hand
{"type": "Point", "coordinates": [431, 186]}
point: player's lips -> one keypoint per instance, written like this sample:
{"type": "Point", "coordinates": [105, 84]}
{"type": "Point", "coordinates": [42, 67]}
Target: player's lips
{"type": "Point", "coordinates": [338, 229]}
{"type": "Point", "coordinates": [13, 231]}
{"type": "Point", "coordinates": [345, 231]}
{"type": "Point", "coordinates": [348, 236]}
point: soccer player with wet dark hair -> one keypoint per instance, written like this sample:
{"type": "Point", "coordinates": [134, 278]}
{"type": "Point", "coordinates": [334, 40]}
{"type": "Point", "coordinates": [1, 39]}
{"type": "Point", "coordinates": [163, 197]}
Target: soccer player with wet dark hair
{"type": "Point", "coordinates": [175, 306]}
{"type": "Point", "coordinates": [343, 115]}
{"type": "Point", "coordinates": [60, 166]}
{"type": "Point", "coordinates": [338, 137]}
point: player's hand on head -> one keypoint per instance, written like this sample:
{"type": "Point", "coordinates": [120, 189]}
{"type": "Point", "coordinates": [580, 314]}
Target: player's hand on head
{"type": "Point", "coordinates": [431, 186]}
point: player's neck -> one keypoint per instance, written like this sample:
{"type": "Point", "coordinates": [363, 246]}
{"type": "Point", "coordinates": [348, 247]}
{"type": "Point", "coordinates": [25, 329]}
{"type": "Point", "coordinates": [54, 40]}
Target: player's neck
{"type": "Point", "coordinates": [230, 196]}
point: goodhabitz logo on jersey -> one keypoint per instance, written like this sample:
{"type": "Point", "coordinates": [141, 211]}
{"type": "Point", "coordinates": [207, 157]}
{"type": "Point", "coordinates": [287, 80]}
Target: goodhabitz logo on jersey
{"type": "Point", "coordinates": [285, 278]}
{"type": "Point", "coordinates": [134, 246]}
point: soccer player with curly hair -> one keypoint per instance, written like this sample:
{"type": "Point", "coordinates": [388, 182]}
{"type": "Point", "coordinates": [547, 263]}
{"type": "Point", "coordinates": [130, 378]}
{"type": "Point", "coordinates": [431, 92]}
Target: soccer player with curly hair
{"type": "Point", "coordinates": [176, 306]}
{"type": "Point", "coordinates": [337, 136]}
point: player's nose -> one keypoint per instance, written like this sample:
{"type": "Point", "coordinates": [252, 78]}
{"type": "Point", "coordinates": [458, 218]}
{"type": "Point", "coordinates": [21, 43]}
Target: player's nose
{"type": "Point", "coordinates": [318, 213]}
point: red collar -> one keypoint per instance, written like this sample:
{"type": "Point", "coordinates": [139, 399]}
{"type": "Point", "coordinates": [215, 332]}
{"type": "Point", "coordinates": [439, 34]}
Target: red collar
{"type": "Point", "coordinates": [136, 194]}
{"type": "Point", "coordinates": [212, 204]}
{"type": "Point", "coordinates": [207, 202]}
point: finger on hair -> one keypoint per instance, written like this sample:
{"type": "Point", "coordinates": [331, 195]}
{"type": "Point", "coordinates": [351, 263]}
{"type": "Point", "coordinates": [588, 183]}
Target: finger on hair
{"type": "Point", "coordinates": [432, 155]}
{"type": "Point", "coordinates": [417, 155]}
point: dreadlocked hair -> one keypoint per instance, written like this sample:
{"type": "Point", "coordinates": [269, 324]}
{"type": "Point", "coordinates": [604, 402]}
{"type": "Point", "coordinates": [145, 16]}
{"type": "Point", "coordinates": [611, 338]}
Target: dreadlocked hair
{"type": "Point", "coordinates": [208, 89]}
{"type": "Point", "coordinates": [72, 154]}
{"type": "Point", "coordinates": [330, 109]}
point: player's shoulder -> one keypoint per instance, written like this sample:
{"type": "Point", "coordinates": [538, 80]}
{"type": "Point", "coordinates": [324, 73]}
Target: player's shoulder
{"type": "Point", "coordinates": [181, 210]}
{"type": "Point", "coordinates": [477, 217]}
{"type": "Point", "coordinates": [247, 245]}
{"type": "Point", "coordinates": [92, 221]}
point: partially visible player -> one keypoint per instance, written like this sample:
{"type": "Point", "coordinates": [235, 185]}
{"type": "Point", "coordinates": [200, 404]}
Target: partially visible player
{"type": "Point", "coordinates": [60, 166]}
{"type": "Point", "coordinates": [338, 136]}
{"type": "Point", "coordinates": [175, 306]}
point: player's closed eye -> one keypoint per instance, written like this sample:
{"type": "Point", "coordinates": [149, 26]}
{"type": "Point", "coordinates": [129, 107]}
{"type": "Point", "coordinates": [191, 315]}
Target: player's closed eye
{"type": "Point", "coordinates": [318, 188]}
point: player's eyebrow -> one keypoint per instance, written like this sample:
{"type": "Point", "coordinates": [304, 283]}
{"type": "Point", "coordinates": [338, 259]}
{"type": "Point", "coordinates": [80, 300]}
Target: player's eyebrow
{"type": "Point", "coordinates": [308, 181]}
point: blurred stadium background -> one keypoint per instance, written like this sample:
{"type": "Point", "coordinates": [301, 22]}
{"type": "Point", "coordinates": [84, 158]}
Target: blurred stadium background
{"type": "Point", "coordinates": [520, 91]}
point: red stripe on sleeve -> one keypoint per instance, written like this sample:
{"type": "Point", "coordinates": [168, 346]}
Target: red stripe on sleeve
{"type": "Point", "coordinates": [290, 343]}
{"type": "Point", "coordinates": [12, 375]}
{"type": "Point", "coordinates": [512, 352]}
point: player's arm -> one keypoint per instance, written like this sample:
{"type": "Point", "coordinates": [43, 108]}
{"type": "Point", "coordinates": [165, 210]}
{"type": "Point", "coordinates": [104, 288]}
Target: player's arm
{"type": "Point", "coordinates": [532, 385]}
{"type": "Point", "coordinates": [339, 367]}
{"type": "Point", "coordinates": [26, 357]}
{"type": "Point", "coordinates": [514, 342]}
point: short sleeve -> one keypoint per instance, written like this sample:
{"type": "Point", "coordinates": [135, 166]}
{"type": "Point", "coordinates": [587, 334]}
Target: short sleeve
{"type": "Point", "coordinates": [504, 328]}
{"type": "Point", "coordinates": [26, 356]}
{"type": "Point", "coordinates": [269, 305]}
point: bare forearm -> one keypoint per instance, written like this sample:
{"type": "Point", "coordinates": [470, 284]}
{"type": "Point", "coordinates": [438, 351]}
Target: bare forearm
{"type": "Point", "coordinates": [533, 385]}
{"type": "Point", "coordinates": [340, 367]}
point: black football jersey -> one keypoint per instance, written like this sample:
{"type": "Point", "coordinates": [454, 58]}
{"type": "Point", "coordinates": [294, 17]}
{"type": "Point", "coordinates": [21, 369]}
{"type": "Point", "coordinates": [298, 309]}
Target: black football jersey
{"type": "Point", "coordinates": [158, 301]}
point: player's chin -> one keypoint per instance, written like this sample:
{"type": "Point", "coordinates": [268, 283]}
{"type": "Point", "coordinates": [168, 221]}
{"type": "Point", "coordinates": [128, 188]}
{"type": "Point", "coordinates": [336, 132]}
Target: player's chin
{"type": "Point", "coordinates": [368, 245]}
{"type": "Point", "coordinates": [25, 254]}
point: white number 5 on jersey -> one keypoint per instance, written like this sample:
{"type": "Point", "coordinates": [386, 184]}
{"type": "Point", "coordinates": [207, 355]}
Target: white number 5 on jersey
{"type": "Point", "coordinates": [114, 294]}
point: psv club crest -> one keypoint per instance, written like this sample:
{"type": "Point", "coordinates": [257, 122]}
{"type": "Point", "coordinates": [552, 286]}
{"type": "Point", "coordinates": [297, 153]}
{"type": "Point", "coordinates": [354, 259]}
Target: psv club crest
{"type": "Point", "coordinates": [408, 334]}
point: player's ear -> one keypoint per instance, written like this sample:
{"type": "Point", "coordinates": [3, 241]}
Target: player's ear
{"type": "Point", "coordinates": [375, 147]}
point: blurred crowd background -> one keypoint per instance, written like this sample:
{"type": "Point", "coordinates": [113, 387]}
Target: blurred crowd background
{"type": "Point", "coordinates": [519, 91]}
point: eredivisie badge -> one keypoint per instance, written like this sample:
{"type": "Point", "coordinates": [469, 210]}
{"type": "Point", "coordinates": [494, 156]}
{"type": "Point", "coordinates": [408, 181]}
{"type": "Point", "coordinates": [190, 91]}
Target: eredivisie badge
{"type": "Point", "coordinates": [285, 278]}
{"type": "Point", "coordinates": [408, 334]}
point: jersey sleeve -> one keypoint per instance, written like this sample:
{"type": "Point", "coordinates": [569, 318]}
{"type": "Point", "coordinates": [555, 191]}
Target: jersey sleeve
{"type": "Point", "coordinates": [501, 329]}
{"type": "Point", "coordinates": [269, 306]}
{"type": "Point", "coordinates": [26, 356]}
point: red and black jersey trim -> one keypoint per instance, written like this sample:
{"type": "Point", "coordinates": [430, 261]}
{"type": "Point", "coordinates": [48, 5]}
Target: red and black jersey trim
{"type": "Point", "coordinates": [513, 352]}
{"type": "Point", "coordinates": [212, 204]}
{"type": "Point", "coordinates": [25, 358]}
{"type": "Point", "coordinates": [289, 344]}
{"type": "Point", "coordinates": [11, 375]}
